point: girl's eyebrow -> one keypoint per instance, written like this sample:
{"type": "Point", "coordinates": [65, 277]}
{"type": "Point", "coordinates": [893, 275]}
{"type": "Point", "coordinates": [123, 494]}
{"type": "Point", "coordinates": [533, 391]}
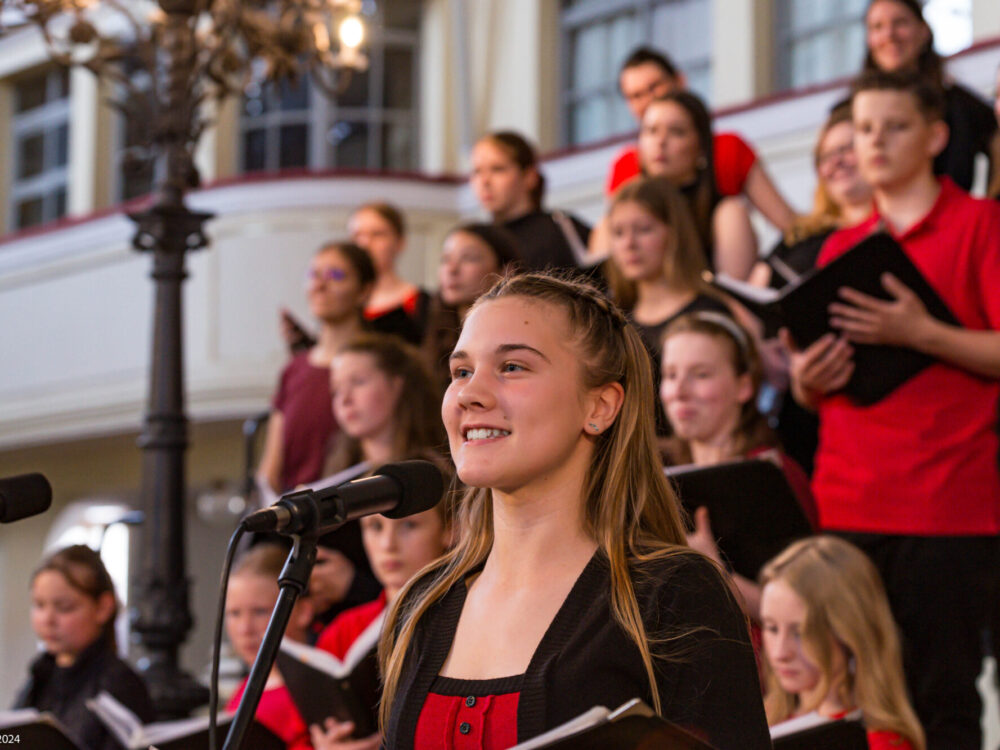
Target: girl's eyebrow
{"type": "Point", "coordinates": [502, 349]}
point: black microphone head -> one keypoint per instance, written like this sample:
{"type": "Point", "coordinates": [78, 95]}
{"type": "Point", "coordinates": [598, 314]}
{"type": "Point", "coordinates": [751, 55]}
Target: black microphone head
{"type": "Point", "coordinates": [23, 496]}
{"type": "Point", "coordinates": [422, 484]}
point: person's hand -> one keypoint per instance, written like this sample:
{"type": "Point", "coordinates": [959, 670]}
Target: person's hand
{"type": "Point", "coordinates": [702, 539]}
{"type": "Point", "coordinates": [869, 320]}
{"type": "Point", "coordinates": [824, 366]}
{"type": "Point", "coordinates": [296, 338]}
{"type": "Point", "coordinates": [331, 577]}
{"type": "Point", "coordinates": [335, 735]}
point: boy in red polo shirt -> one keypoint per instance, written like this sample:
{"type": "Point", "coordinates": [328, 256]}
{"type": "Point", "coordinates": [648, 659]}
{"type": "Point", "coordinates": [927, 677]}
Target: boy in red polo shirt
{"type": "Point", "coordinates": [913, 478]}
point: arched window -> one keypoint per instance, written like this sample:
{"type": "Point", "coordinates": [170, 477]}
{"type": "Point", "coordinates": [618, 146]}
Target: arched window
{"type": "Point", "coordinates": [96, 523]}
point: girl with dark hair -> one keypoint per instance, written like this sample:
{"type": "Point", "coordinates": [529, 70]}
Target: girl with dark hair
{"type": "Point", "coordinates": [570, 584]}
{"type": "Point", "coordinates": [900, 40]}
{"type": "Point", "coordinates": [473, 257]}
{"type": "Point", "coordinates": [73, 610]}
{"type": "Point", "coordinates": [385, 403]}
{"type": "Point", "coordinates": [395, 305]}
{"type": "Point", "coordinates": [711, 374]}
{"type": "Point", "coordinates": [301, 426]}
{"type": "Point", "coordinates": [338, 282]}
{"type": "Point", "coordinates": [676, 143]}
{"type": "Point", "coordinates": [509, 185]}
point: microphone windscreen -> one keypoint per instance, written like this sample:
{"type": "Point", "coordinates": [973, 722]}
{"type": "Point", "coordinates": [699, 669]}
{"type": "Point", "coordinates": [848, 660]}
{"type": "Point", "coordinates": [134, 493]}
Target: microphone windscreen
{"type": "Point", "coordinates": [23, 496]}
{"type": "Point", "coordinates": [422, 484]}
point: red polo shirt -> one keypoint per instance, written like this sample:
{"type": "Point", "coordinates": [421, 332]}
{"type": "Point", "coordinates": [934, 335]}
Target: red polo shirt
{"type": "Point", "coordinates": [733, 160]}
{"type": "Point", "coordinates": [923, 460]}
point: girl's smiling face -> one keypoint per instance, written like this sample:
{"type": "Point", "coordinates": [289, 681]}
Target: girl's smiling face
{"type": "Point", "coordinates": [516, 408]}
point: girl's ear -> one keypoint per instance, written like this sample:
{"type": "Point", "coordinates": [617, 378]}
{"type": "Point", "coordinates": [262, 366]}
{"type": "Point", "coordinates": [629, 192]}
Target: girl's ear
{"type": "Point", "coordinates": [606, 402]}
{"type": "Point", "coordinates": [106, 606]}
{"type": "Point", "coordinates": [745, 391]}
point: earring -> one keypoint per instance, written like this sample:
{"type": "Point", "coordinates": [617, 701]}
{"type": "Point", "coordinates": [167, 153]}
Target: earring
{"type": "Point", "coordinates": [594, 427]}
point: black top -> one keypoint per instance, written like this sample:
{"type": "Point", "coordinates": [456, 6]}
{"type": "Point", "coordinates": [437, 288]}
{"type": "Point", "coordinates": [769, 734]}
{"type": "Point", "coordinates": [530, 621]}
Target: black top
{"type": "Point", "coordinates": [651, 334]}
{"type": "Point", "coordinates": [706, 674]}
{"type": "Point", "coordinates": [651, 337]}
{"type": "Point", "coordinates": [543, 243]}
{"type": "Point", "coordinates": [398, 322]}
{"type": "Point", "coordinates": [63, 692]}
{"type": "Point", "coordinates": [799, 256]}
{"type": "Point", "coordinates": [971, 125]}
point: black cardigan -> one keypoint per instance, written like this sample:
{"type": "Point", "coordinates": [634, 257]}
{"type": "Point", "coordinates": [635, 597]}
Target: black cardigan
{"type": "Point", "coordinates": [707, 683]}
{"type": "Point", "coordinates": [63, 691]}
{"type": "Point", "coordinates": [971, 126]}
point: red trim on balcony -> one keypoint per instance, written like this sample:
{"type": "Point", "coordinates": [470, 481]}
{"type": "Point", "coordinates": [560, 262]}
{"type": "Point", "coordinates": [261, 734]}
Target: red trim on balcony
{"type": "Point", "coordinates": [252, 178]}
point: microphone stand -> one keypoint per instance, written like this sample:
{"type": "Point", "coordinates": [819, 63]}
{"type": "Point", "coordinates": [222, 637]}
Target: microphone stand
{"type": "Point", "coordinates": [292, 582]}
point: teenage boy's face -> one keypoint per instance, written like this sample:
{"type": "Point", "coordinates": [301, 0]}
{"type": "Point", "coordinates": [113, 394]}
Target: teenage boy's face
{"type": "Point", "coordinates": [893, 140]}
{"type": "Point", "coordinates": [643, 83]}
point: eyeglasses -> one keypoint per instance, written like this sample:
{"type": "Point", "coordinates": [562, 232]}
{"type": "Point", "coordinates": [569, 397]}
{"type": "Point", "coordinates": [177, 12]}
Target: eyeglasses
{"type": "Point", "coordinates": [831, 159]}
{"type": "Point", "coordinates": [326, 274]}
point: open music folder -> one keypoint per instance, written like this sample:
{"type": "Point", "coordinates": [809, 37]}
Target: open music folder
{"type": "Point", "coordinates": [631, 726]}
{"type": "Point", "coordinates": [26, 727]}
{"type": "Point", "coordinates": [321, 685]}
{"type": "Point", "coordinates": [182, 734]}
{"type": "Point", "coordinates": [802, 307]}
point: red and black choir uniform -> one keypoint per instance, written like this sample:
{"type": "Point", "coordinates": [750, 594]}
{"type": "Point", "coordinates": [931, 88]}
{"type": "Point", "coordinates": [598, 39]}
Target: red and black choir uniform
{"type": "Point", "coordinates": [913, 479]}
{"type": "Point", "coordinates": [338, 636]}
{"type": "Point", "coordinates": [406, 320]}
{"type": "Point", "coordinates": [277, 712]}
{"type": "Point", "coordinates": [733, 157]}
{"type": "Point", "coordinates": [585, 659]}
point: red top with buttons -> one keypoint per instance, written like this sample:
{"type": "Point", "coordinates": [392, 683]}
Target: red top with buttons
{"type": "Point", "coordinates": [469, 715]}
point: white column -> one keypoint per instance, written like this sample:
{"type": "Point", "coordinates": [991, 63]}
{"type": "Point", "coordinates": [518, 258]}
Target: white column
{"type": "Point", "coordinates": [84, 143]}
{"type": "Point", "coordinates": [437, 127]}
{"type": "Point", "coordinates": [985, 19]}
{"type": "Point", "coordinates": [742, 41]}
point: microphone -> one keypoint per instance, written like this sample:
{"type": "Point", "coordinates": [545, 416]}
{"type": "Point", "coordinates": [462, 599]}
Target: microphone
{"type": "Point", "coordinates": [395, 490]}
{"type": "Point", "coordinates": [24, 495]}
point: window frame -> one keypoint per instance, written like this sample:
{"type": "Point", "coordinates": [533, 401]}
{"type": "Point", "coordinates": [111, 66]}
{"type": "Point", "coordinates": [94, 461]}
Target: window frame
{"type": "Point", "coordinates": [785, 39]}
{"type": "Point", "coordinates": [44, 120]}
{"type": "Point", "coordinates": [583, 13]}
{"type": "Point", "coordinates": [321, 113]}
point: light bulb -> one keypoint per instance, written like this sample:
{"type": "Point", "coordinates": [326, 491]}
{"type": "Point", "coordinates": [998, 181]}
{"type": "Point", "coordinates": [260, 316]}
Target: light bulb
{"type": "Point", "coordinates": [351, 32]}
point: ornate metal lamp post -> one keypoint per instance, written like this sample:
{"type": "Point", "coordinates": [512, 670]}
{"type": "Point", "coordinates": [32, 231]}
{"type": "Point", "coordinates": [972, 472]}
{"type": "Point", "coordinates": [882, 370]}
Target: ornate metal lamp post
{"type": "Point", "coordinates": [192, 51]}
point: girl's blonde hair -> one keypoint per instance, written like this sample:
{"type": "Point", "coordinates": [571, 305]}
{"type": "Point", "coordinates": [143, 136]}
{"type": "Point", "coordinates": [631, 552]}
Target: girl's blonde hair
{"type": "Point", "coordinates": [682, 267]}
{"type": "Point", "coordinates": [846, 607]}
{"type": "Point", "coordinates": [629, 508]}
{"type": "Point", "coordinates": [825, 212]}
{"type": "Point", "coordinates": [752, 431]}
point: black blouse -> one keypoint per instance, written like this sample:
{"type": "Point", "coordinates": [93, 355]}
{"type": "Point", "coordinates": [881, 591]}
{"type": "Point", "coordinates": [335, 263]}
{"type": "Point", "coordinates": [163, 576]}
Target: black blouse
{"type": "Point", "coordinates": [971, 125]}
{"type": "Point", "coordinates": [63, 692]}
{"type": "Point", "coordinates": [705, 669]}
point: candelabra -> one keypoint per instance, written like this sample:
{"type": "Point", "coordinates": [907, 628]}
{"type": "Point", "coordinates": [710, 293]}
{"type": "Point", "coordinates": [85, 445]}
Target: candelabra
{"type": "Point", "coordinates": [191, 53]}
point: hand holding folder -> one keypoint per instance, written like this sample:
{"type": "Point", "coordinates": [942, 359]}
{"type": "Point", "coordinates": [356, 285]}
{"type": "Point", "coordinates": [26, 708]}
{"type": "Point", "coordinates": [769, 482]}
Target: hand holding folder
{"type": "Point", "coordinates": [752, 507]}
{"type": "Point", "coordinates": [804, 308]}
